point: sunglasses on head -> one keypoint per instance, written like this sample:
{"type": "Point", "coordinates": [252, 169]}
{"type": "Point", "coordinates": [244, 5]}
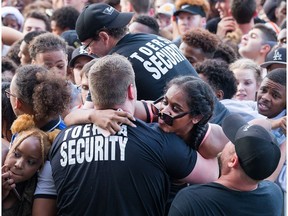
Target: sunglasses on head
{"type": "Point", "coordinates": [168, 119]}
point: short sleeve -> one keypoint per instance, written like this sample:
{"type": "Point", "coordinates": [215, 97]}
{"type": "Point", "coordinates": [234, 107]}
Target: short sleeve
{"type": "Point", "coordinates": [45, 187]}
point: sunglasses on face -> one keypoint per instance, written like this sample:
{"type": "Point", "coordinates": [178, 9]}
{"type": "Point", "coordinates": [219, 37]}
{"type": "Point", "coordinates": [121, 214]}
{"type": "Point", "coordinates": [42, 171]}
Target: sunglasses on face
{"type": "Point", "coordinates": [168, 119]}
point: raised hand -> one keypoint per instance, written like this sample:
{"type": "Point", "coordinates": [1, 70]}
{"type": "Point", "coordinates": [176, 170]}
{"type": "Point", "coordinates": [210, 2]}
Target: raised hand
{"type": "Point", "coordinates": [227, 24]}
{"type": "Point", "coordinates": [7, 183]}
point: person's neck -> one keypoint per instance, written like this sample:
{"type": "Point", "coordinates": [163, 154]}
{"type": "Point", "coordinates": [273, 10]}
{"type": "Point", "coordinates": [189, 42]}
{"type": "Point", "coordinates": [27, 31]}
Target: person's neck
{"type": "Point", "coordinates": [115, 41]}
{"type": "Point", "coordinates": [259, 59]}
{"type": "Point", "coordinates": [122, 107]}
{"type": "Point", "coordinates": [237, 182]}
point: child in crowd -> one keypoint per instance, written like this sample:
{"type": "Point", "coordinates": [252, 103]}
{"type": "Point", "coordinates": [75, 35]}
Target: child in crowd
{"type": "Point", "coordinates": [50, 51]}
{"type": "Point", "coordinates": [84, 79]}
{"type": "Point", "coordinates": [19, 172]}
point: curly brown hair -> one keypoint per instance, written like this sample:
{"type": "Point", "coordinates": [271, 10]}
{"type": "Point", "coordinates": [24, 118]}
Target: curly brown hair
{"type": "Point", "coordinates": [47, 94]}
{"type": "Point", "coordinates": [202, 38]}
{"type": "Point", "coordinates": [202, 3]}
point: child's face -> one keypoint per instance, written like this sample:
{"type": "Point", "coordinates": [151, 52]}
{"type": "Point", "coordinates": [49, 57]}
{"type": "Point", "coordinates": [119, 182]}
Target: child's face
{"type": "Point", "coordinates": [55, 61]}
{"type": "Point", "coordinates": [271, 98]}
{"type": "Point", "coordinates": [25, 160]}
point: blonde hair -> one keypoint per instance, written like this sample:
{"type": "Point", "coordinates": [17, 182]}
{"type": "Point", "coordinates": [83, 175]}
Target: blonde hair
{"type": "Point", "coordinates": [25, 127]}
{"type": "Point", "coordinates": [245, 63]}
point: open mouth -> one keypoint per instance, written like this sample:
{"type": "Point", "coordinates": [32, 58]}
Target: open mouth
{"type": "Point", "coordinates": [263, 107]}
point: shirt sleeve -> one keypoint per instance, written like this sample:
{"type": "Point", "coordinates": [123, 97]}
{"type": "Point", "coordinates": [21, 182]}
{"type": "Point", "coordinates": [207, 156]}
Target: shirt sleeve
{"type": "Point", "coordinates": [180, 158]}
{"type": "Point", "coordinates": [45, 186]}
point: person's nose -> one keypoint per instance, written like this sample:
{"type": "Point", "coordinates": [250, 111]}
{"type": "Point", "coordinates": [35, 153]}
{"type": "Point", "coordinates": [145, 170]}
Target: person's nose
{"type": "Point", "coordinates": [90, 51]}
{"type": "Point", "coordinates": [245, 37]}
{"type": "Point", "coordinates": [185, 21]}
{"type": "Point", "coordinates": [265, 96]}
{"type": "Point", "coordinates": [19, 163]}
{"type": "Point", "coordinates": [240, 86]}
{"type": "Point", "coordinates": [165, 108]}
{"type": "Point", "coordinates": [19, 54]}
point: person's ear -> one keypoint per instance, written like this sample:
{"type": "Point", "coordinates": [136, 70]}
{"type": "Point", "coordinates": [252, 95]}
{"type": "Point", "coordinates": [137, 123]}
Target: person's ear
{"type": "Point", "coordinates": [265, 49]}
{"type": "Point", "coordinates": [131, 91]}
{"type": "Point", "coordinates": [18, 104]}
{"type": "Point", "coordinates": [219, 94]}
{"type": "Point", "coordinates": [234, 161]}
{"type": "Point", "coordinates": [197, 119]}
{"type": "Point", "coordinates": [104, 37]}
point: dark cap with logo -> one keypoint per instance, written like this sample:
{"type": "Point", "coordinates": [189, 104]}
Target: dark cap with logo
{"type": "Point", "coordinates": [80, 51]}
{"type": "Point", "coordinates": [275, 56]}
{"type": "Point", "coordinates": [192, 9]}
{"type": "Point", "coordinates": [256, 148]}
{"type": "Point", "coordinates": [97, 16]}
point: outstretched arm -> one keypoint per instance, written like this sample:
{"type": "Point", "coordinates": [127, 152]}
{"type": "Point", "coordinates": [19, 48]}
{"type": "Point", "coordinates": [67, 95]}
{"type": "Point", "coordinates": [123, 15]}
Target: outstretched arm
{"type": "Point", "coordinates": [106, 119]}
{"type": "Point", "coordinates": [10, 35]}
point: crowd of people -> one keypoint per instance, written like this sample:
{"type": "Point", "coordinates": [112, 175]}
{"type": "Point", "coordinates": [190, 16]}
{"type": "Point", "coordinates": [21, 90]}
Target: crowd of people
{"type": "Point", "coordinates": [155, 107]}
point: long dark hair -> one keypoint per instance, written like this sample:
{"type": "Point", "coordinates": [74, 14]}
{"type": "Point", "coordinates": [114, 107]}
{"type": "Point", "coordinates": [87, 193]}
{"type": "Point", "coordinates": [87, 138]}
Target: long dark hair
{"type": "Point", "coordinates": [8, 115]}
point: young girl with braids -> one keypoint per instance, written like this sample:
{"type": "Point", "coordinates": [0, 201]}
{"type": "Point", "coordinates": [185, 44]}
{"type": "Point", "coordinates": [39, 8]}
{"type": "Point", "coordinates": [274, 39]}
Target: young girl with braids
{"type": "Point", "coordinates": [19, 172]}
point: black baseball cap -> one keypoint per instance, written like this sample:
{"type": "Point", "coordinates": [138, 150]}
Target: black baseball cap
{"type": "Point", "coordinates": [275, 56]}
{"type": "Point", "coordinates": [97, 16]}
{"type": "Point", "coordinates": [255, 147]}
{"type": "Point", "coordinates": [192, 9]}
{"type": "Point", "coordinates": [80, 51]}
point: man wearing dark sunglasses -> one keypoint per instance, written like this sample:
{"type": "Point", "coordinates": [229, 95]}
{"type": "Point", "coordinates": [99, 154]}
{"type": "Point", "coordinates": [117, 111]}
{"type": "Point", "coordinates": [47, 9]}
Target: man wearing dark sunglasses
{"type": "Point", "coordinates": [130, 169]}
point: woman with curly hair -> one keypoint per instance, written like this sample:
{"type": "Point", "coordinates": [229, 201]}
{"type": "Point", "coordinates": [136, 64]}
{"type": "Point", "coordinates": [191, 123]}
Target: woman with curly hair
{"type": "Point", "coordinates": [37, 92]}
{"type": "Point", "coordinates": [19, 171]}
